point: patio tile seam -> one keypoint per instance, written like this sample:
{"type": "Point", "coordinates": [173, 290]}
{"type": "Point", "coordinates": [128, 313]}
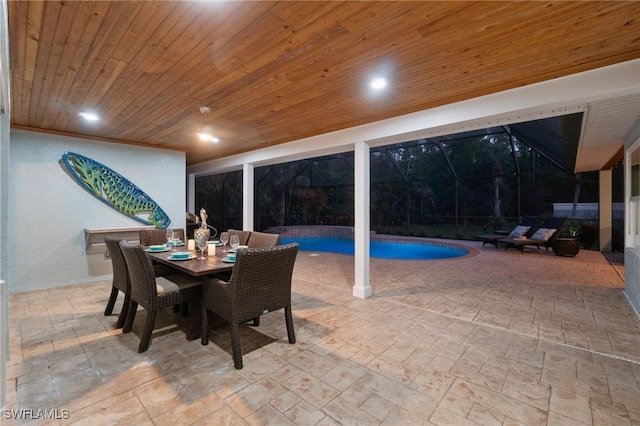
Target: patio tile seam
{"type": "Point", "coordinates": [608, 355]}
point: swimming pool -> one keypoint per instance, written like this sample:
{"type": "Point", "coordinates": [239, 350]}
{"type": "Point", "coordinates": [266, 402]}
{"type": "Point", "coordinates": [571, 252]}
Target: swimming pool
{"type": "Point", "coordinates": [378, 248]}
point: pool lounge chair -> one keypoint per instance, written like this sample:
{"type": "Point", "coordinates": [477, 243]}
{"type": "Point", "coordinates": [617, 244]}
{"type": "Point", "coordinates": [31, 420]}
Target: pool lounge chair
{"type": "Point", "coordinates": [526, 227]}
{"type": "Point", "coordinates": [542, 237]}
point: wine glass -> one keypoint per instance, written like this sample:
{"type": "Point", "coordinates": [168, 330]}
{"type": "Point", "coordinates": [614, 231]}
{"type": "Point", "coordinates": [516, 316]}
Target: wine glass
{"type": "Point", "coordinates": [175, 238]}
{"type": "Point", "coordinates": [224, 238]}
{"type": "Point", "coordinates": [202, 245]}
{"type": "Point", "coordinates": [169, 235]}
{"type": "Point", "coordinates": [235, 242]}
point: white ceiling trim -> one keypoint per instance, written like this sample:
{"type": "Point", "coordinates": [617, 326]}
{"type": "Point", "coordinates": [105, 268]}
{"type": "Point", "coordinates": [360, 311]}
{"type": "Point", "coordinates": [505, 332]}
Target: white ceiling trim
{"type": "Point", "coordinates": [604, 129]}
{"type": "Point", "coordinates": [559, 96]}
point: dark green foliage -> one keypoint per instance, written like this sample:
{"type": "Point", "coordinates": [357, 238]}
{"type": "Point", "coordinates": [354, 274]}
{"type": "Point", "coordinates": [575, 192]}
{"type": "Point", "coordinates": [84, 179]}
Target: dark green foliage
{"type": "Point", "coordinates": [589, 236]}
{"type": "Point", "coordinates": [497, 222]}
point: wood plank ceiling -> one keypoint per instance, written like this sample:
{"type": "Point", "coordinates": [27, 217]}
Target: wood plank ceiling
{"type": "Point", "coordinates": [273, 72]}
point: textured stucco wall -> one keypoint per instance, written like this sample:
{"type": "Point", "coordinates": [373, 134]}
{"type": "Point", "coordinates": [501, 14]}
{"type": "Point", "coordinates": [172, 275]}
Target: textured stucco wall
{"type": "Point", "coordinates": [48, 211]}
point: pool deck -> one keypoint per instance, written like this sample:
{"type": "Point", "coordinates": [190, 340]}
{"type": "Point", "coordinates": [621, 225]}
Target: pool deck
{"type": "Point", "coordinates": [497, 337]}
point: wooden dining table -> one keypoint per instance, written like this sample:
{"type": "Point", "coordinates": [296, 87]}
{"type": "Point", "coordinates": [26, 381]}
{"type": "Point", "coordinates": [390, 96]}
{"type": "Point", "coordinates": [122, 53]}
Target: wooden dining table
{"type": "Point", "coordinates": [197, 267]}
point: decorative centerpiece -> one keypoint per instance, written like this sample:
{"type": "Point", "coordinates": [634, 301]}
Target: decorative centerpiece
{"type": "Point", "coordinates": [201, 235]}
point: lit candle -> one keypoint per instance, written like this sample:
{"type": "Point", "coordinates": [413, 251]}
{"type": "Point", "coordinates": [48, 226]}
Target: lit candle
{"type": "Point", "coordinates": [212, 249]}
{"type": "Point", "coordinates": [191, 245]}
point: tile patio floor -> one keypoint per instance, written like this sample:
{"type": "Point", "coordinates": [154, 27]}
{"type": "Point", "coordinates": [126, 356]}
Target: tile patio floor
{"type": "Point", "coordinates": [496, 338]}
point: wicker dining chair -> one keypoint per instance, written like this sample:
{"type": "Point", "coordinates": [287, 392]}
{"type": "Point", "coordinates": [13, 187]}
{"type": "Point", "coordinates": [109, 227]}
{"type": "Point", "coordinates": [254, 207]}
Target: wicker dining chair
{"type": "Point", "coordinates": [263, 239]}
{"type": "Point", "coordinates": [260, 283]}
{"type": "Point", "coordinates": [256, 239]}
{"type": "Point", "coordinates": [153, 293]}
{"type": "Point", "coordinates": [243, 236]}
{"type": "Point", "coordinates": [120, 281]}
{"type": "Point", "coordinates": [150, 237]}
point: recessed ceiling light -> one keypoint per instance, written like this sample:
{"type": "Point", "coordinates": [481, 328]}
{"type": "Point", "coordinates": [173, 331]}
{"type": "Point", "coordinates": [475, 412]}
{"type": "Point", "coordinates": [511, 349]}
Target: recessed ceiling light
{"type": "Point", "coordinates": [378, 83]}
{"type": "Point", "coordinates": [89, 116]}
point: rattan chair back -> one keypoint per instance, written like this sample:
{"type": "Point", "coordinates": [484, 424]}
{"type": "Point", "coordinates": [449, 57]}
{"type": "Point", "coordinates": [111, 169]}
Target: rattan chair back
{"type": "Point", "coordinates": [261, 279]}
{"type": "Point", "coordinates": [243, 236]}
{"type": "Point", "coordinates": [120, 275]}
{"type": "Point", "coordinates": [263, 239]}
{"type": "Point", "coordinates": [150, 237]}
{"type": "Point", "coordinates": [141, 275]}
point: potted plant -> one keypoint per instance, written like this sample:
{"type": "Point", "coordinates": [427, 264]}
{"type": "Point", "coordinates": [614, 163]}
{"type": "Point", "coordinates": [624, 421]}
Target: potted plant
{"type": "Point", "coordinates": [567, 244]}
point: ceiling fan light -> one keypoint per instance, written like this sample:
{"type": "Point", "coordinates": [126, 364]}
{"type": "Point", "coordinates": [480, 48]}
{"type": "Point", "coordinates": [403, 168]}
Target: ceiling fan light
{"type": "Point", "coordinates": [205, 136]}
{"type": "Point", "coordinates": [205, 131]}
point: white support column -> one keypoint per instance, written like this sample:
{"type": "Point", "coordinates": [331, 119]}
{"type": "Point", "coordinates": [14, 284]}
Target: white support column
{"type": "Point", "coordinates": [247, 196]}
{"type": "Point", "coordinates": [605, 207]}
{"type": "Point", "coordinates": [629, 206]}
{"type": "Point", "coordinates": [362, 185]}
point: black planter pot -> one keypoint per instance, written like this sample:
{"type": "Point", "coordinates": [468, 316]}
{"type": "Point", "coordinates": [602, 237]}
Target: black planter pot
{"type": "Point", "coordinates": [566, 247]}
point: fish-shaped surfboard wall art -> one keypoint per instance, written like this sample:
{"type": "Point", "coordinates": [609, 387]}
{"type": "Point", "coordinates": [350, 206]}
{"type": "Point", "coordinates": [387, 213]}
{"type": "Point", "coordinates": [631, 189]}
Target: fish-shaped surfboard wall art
{"type": "Point", "coordinates": [114, 190]}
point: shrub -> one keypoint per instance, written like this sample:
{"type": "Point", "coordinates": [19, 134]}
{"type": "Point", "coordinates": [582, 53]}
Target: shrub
{"type": "Point", "coordinates": [588, 235]}
{"type": "Point", "coordinates": [497, 222]}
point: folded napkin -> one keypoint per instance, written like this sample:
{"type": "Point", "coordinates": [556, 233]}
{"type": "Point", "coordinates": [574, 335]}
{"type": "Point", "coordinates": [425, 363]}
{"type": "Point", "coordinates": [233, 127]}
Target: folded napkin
{"type": "Point", "coordinates": [181, 255]}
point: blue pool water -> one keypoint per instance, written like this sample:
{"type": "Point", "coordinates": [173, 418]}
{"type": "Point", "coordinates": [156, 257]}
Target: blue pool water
{"type": "Point", "coordinates": [379, 249]}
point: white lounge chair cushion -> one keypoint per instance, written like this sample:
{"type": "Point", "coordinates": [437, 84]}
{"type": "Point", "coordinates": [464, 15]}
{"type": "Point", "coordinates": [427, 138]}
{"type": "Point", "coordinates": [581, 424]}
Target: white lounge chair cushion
{"type": "Point", "coordinates": [543, 234]}
{"type": "Point", "coordinates": [519, 231]}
